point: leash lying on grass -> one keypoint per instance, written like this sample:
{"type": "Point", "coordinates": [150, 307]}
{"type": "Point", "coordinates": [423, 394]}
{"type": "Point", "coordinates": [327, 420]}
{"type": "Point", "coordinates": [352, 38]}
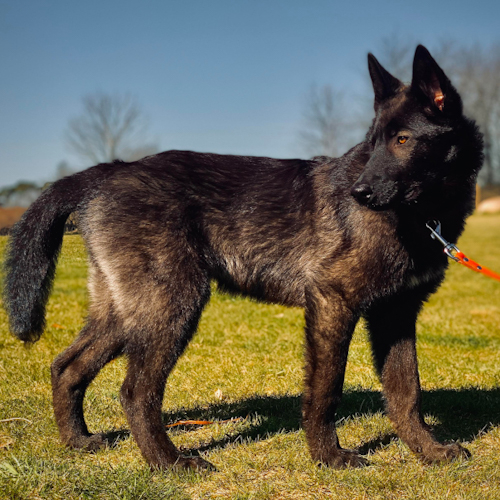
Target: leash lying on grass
{"type": "Point", "coordinates": [454, 253]}
{"type": "Point", "coordinates": [203, 422]}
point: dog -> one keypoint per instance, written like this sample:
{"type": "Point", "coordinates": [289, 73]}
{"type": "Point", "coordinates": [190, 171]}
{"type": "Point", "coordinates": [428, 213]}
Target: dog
{"type": "Point", "coordinates": [343, 238]}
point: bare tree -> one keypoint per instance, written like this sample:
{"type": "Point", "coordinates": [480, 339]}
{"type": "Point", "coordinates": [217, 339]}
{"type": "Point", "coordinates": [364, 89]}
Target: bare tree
{"type": "Point", "coordinates": [323, 131]}
{"type": "Point", "coordinates": [110, 127]}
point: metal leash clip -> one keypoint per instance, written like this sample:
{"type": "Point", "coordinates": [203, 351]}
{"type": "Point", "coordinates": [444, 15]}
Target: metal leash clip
{"type": "Point", "coordinates": [449, 248]}
{"type": "Point", "coordinates": [454, 253]}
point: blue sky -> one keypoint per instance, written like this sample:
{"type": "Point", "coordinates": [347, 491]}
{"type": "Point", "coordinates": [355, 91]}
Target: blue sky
{"type": "Point", "coordinates": [225, 76]}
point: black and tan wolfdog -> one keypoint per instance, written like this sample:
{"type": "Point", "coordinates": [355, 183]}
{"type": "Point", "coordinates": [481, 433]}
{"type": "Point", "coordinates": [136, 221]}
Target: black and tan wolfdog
{"type": "Point", "coordinates": [343, 238]}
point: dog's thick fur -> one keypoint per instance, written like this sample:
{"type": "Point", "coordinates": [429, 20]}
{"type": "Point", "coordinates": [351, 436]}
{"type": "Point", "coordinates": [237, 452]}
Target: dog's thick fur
{"type": "Point", "coordinates": [343, 238]}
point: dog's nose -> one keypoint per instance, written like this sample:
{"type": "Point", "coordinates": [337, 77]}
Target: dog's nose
{"type": "Point", "coordinates": [362, 192]}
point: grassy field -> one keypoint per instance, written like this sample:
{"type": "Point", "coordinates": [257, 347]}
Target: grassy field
{"type": "Point", "coordinates": [245, 364]}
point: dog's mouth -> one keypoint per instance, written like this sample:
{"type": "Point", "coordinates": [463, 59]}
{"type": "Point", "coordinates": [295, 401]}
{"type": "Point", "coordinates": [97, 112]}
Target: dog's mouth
{"type": "Point", "coordinates": [412, 194]}
{"type": "Point", "coordinates": [385, 195]}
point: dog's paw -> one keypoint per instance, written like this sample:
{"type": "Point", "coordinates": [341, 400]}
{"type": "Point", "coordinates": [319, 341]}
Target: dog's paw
{"type": "Point", "coordinates": [91, 443]}
{"type": "Point", "coordinates": [444, 453]}
{"type": "Point", "coordinates": [193, 463]}
{"type": "Point", "coordinates": [344, 458]}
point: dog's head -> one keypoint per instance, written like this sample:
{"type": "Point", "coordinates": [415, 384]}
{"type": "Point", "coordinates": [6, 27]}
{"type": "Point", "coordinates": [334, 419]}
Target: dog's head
{"type": "Point", "coordinates": [413, 136]}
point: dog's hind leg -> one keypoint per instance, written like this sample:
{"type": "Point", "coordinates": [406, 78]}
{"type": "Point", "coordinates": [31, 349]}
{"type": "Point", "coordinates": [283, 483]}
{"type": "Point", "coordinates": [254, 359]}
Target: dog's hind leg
{"type": "Point", "coordinates": [391, 324]}
{"type": "Point", "coordinates": [72, 372]}
{"type": "Point", "coordinates": [151, 358]}
{"type": "Point", "coordinates": [329, 327]}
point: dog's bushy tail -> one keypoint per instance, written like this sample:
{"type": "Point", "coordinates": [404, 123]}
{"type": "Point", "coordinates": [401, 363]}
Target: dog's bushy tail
{"type": "Point", "coordinates": [34, 247]}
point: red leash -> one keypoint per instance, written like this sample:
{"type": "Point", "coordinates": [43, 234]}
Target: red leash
{"type": "Point", "coordinates": [454, 253]}
{"type": "Point", "coordinates": [463, 259]}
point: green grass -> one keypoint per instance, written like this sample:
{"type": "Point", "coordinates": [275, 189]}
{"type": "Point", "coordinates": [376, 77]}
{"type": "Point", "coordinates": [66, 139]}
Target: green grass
{"type": "Point", "coordinates": [246, 363]}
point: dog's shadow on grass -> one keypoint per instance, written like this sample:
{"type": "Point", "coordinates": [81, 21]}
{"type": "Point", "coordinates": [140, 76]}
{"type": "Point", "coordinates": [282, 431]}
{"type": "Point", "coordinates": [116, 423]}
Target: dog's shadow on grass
{"type": "Point", "coordinates": [461, 415]}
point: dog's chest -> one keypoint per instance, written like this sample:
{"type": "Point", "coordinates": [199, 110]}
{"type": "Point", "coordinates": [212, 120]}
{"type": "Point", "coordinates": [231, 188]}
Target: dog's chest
{"type": "Point", "coordinates": [414, 280]}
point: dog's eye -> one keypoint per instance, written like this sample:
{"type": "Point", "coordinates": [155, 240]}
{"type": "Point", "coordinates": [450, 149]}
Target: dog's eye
{"type": "Point", "coordinates": [402, 139]}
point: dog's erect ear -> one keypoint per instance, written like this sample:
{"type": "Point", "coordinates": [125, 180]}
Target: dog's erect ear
{"type": "Point", "coordinates": [432, 86]}
{"type": "Point", "coordinates": [384, 84]}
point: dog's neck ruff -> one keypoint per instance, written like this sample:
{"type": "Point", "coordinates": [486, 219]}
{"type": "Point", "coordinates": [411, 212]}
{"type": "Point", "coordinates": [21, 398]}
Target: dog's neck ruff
{"type": "Point", "coordinates": [454, 253]}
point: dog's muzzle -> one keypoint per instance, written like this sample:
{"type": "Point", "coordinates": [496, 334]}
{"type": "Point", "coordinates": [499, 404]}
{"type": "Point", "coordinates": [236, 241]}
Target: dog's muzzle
{"type": "Point", "coordinates": [362, 192]}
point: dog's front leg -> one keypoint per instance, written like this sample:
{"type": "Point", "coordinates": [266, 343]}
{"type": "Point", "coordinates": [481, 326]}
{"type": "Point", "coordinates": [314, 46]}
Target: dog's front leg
{"type": "Point", "coordinates": [329, 327]}
{"type": "Point", "coordinates": [391, 324]}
